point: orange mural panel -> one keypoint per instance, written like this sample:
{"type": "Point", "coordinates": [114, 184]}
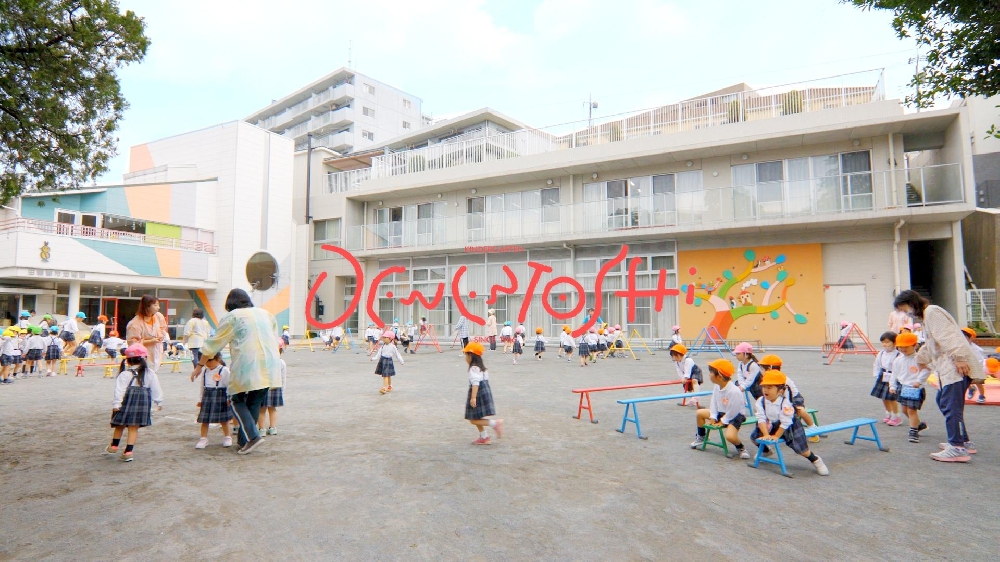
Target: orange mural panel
{"type": "Point", "coordinates": [769, 293]}
{"type": "Point", "coordinates": [140, 158]}
{"type": "Point", "coordinates": [170, 262]}
{"type": "Point", "coordinates": [279, 302]}
{"type": "Point", "coordinates": [149, 202]}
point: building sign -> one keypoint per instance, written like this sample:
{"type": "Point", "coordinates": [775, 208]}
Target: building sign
{"type": "Point", "coordinates": [57, 273]}
{"type": "Point", "coordinates": [45, 251]}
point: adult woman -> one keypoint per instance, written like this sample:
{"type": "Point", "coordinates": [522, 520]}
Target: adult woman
{"type": "Point", "coordinates": [252, 335]}
{"type": "Point", "coordinates": [946, 352]}
{"type": "Point", "coordinates": [195, 332]}
{"type": "Point", "coordinates": [491, 328]}
{"type": "Point", "coordinates": [148, 328]}
{"type": "Point", "coordinates": [898, 319]}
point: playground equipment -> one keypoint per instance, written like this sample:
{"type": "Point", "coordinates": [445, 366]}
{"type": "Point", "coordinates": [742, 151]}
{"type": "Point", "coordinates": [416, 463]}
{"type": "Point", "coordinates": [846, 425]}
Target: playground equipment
{"type": "Point", "coordinates": [709, 339]}
{"type": "Point", "coordinates": [842, 347]}
{"type": "Point", "coordinates": [429, 337]}
{"type": "Point", "coordinates": [627, 346]}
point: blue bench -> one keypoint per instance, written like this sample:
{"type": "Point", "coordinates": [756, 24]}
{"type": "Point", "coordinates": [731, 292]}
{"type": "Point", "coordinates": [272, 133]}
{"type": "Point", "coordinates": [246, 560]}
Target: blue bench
{"type": "Point", "coordinates": [631, 403]}
{"type": "Point", "coordinates": [818, 430]}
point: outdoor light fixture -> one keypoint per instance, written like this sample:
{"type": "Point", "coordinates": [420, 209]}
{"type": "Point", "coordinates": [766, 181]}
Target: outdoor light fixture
{"type": "Point", "coordinates": [745, 156]}
{"type": "Point", "coordinates": [594, 175]}
{"type": "Point", "coordinates": [715, 174]}
{"type": "Point", "coordinates": [379, 203]}
{"type": "Point", "coordinates": [439, 195]}
{"type": "Point", "coordinates": [690, 163]}
{"type": "Point", "coordinates": [548, 182]}
{"type": "Point", "coordinates": [856, 142]}
{"type": "Point", "coordinates": [473, 190]}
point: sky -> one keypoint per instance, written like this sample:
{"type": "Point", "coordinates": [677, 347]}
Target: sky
{"type": "Point", "coordinates": [536, 61]}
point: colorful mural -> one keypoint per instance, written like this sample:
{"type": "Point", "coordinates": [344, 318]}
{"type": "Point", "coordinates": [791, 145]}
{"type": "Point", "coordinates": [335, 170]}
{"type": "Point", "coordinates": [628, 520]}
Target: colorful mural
{"type": "Point", "coordinates": [773, 294]}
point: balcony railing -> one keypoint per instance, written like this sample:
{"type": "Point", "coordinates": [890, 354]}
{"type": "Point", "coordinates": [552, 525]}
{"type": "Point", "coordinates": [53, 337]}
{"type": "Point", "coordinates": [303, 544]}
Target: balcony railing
{"type": "Point", "coordinates": [346, 181]}
{"type": "Point", "coordinates": [752, 105]}
{"type": "Point", "coordinates": [824, 197]}
{"type": "Point", "coordinates": [94, 233]}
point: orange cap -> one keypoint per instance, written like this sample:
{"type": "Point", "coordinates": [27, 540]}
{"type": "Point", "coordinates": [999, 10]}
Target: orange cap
{"type": "Point", "coordinates": [679, 348]}
{"type": "Point", "coordinates": [906, 339]}
{"type": "Point", "coordinates": [724, 367]}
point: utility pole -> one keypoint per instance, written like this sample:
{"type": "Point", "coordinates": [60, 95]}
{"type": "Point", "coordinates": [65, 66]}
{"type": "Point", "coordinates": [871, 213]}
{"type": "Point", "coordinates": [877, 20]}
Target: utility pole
{"type": "Point", "coordinates": [309, 155]}
{"type": "Point", "coordinates": [591, 106]}
{"type": "Point", "coordinates": [916, 75]}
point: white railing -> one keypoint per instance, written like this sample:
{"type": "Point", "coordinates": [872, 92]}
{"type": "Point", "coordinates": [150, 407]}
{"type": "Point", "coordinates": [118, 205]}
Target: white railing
{"type": "Point", "coordinates": [80, 231]}
{"type": "Point", "coordinates": [737, 205]}
{"type": "Point", "coordinates": [738, 107]}
{"type": "Point", "coordinates": [340, 182]}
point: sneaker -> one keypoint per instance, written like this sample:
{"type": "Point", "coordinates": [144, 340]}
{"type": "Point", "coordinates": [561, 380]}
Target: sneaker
{"type": "Point", "coordinates": [499, 429]}
{"type": "Point", "coordinates": [127, 456]}
{"type": "Point", "coordinates": [110, 450]}
{"type": "Point", "coordinates": [970, 447]}
{"type": "Point", "coordinates": [952, 454]}
{"type": "Point", "coordinates": [383, 390]}
{"type": "Point", "coordinates": [893, 422]}
{"type": "Point", "coordinates": [887, 418]}
{"type": "Point", "coordinates": [914, 437]}
{"type": "Point", "coordinates": [814, 439]}
{"type": "Point", "coordinates": [482, 441]}
{"type": "Point", "coordinates": [744, 454]}
{"type": "Point", "coordinates": [272, 431]}
{"type": "Point", "coordinates": [389, 388]}
{"type": "Point", "coordinates": [821, 468]}
{"type": "Point", "coordinates": [236, 429]}
{"type": "Point", "coordinates": [227, 441]}
{"type": "Point", "coordinates": [971, 393]}
{"type": "Point", "coordinates": [768, 452]}
{"type": "Point", "coordinates": [202, 443]}
{"type": "Point", "coordinates": [921, 427]}
{"type": "Point", "coordinates": [251, 445]}
{"type": "Point", "coordinates": [981, 399]}
{"type": "Point", "coordinates": [697, 442]}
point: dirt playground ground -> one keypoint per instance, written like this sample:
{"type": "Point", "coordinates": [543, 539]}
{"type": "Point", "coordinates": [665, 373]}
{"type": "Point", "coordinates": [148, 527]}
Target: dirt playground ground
{"type": "Point", "coordinates": [354, 475]}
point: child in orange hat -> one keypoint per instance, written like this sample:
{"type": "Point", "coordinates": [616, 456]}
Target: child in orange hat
{"type": "Point", "coordinates": [970, 335]}
{"type": "Point", "coordinates": [907, 382]}
{"type": "Point", "coordinates": [689, 373]}
{"type": "Point", "coordinates": [479, 402]}
{"type": "Point", "coordinates": [776, 419]}
{"type": "Point", "coordinates": [726, 407]}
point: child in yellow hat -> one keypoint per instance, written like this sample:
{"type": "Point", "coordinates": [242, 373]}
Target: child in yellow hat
{"type": "Point", "coordinates": [776, 419]}
{"type": "Point", "coordinates": [726, 407]}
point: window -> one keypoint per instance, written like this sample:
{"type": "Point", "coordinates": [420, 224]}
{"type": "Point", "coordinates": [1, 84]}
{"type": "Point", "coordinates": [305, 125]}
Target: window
{"type": "Point", "coordinates": [367, 111]}
{"type": "Point", "coordinates": [856, 183]}
{"type": "Point", "coordinates": [407, 104]}
{"type": "Point", "coordinates": [550, 204]}
{"type": "Point", "coordinates": [368, 135]}
{"type": "Point", "coordinates": [406, 125]}
{"type": "Point", "coordinates": [369, 89]}
{"type": "Point", "coordinates": [325, 232]}
{"type": "Point", "coordinates": [475, 207]}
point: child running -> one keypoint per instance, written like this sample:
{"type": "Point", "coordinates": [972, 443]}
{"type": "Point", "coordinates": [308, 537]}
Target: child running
{"type": "Point", "coordinates": [385, 366]}
{"type": "Point", "coordinates": [539, 344]}
{"type": "Point", "coordinates": [136, 389]}
{"type": "Point", "coordinates": [275, 399]}
{"type": "Point", "coordinates": [882, 371]}
{"type": "Point", "coordinates": [479, 402]}
{"type": "Point", "coordinates": [776, 419]}
{"type": "Point", "coordinates": [687, 371]}
{"type": "Point", "coordinates": [53, 351]}
{"type": "Point", "coordinates": [566, 341]}
{"type": "Point", "coordinates": [907, 381]}
{"type": "Point", "coordinates": [726, 407]}
{"type": "Point", "coordinates": [518, 342]}
{"type": "Point", "coordinates": [214, 404]}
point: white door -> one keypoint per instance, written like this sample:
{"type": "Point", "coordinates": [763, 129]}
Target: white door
{"type": "Point", "coordinates": [845, 303]}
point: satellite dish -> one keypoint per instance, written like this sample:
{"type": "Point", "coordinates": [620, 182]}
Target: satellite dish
{"type": "Point", "coordinates": [262, 271]}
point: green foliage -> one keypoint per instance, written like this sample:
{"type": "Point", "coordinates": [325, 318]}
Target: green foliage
{"type": "Point", "coordinates": [734, 111]}
{"type": "Point", "coordinates": [60, 100]}
{"type": "Point", "coordinates": [960, 39]}
{"type": "Point", "coordinates": [791, 102]}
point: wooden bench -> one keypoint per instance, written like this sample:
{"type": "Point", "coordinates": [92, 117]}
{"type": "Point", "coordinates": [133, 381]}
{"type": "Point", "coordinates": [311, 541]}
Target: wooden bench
{"type": "Point", "coordinates": [854, 424]}
{"type": "Point", "coordinates": [633, 404]}
{"type": "Point", "coordinates": [585, 393]}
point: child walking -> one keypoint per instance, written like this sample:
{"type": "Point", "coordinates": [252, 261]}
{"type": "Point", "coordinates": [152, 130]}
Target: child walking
{"type": "Point", "coordinates": [35, 350]}
{"type": "Point", "coordinates": [479, 402]}
{"type": "Point", "coordinates": [592, 341]}
{"type": "Point", "coordinates": [507, 336]}
{"type": "Point", "coordinates": [53, 351]}
{"type": "Point", "coordinates": [539, 344]}
{"type": "Point", "coordinates": [518, 343]}
{"type": "Point", "coordinates": [136, 389]}
{"type": "Point", "coordinates": [385, 366]}
{"type": "Point", "coordinates": [687, 371]}
{"type": "Point", "coordinates": [726, 407]}
{"type": "Point", "coordinates": [882, 371]}
{"type": "Point", "coordinates": [906, 383]}
{"type": "Point", "coordinates": [566, 341]}
{"type": "Point", "coordinates": [584, 350]}
{"type": "Point", "coordinates": [275, 399]}
{"type": "Point", "coordinates": [214, 404]}
{"type": "Point", "coordinates": [776, 419]}
{"type": "Point", "coordinates": [8, 341]}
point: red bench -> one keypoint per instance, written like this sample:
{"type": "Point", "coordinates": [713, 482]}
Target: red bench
{"type": "Point", "coordinates": [585, 394]}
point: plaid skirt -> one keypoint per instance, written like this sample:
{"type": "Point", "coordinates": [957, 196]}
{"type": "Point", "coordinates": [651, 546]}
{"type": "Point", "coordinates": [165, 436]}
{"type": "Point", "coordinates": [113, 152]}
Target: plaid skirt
{"type": "Point", "coordinates": [913, 403]}
{"type": "Point", "coordinates": [34, 355]}
{"type": "Point", "coordinates": [80, 352]}
{"type": "Point", "coordinates": [53, 352]}
{"type": "Point", "coordinates": [846, 343]}
{"type": "Point", "coordinates": [484, 403]}
{"type": "Point", "coordinates": [517, 347]}
{"type": "Point", "coordinates": [881, 390]}
{"type": "Point", "coordinates": [567, 349]}
{"type": "Point", "coordinates": [67, 336]}
{"type": "Point", "coordinates": [214, 406]}
{"type": "Point", "coordinates": [18, 359]}
{"type": "Point", "coordinates": [6, 360]}
{"type": "Point", "coordinates": [114, 354]}
{"type": "Point", "coordinates": [736, 422]}
{"type": "Point", "coordinates": [385, 367]}
{"type": "Point", "coordinates": [136, 408]}
{"type": "Point", "coordinates": [602, 347]}
{"type": "Point", "coordinates": [584, 348]}
{"type": "Point", "coordinates": [794, 436]}
{"type": "Point", "coordinates": [275, 398]}
{"type": "Point", "coordinates": [539, 346]}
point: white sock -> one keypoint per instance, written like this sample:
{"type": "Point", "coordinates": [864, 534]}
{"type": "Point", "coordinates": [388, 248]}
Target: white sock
{"type": "Point", "coordinates": [493, 423]}
{"type": "Point", "coordinates": [483, 434]}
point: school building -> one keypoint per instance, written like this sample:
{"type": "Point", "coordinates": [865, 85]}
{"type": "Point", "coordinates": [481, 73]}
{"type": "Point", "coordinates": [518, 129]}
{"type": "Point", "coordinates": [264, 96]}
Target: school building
{"type": "Point", "coordinates": [775, 214]}
{"type": "Point", "coordinates": [197, 214]}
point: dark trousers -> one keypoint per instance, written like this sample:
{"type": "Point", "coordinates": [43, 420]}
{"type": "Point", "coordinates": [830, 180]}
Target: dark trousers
{"type": "Point", "coordinates": [195, 355]}
{"type": "Point", "coordinates": [493, 343]}
{"type": "Point", "coordinates": [246, 406]}
{"type": "Point", "coordinates": [951, 402]}
{"type": "Point", "coordinates": [465, 342]}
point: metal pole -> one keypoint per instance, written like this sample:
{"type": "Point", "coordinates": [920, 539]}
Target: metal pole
{"type": "Point", "coordinates": [309, 152]}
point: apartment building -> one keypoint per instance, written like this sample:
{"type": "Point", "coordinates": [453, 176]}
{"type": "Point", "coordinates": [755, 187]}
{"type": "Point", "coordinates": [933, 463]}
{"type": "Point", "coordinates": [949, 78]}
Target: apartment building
{"type": "Point", "coordinates": [345, 111]}
{"type": "Point", "coordinates": [197, 215]}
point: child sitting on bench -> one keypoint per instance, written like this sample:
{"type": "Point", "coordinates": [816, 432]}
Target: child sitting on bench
{"type": "Point", "coordinates": [687, 371]}
{"type": "Point", "coordinates": [773, 363]}
{"type": "Point", "coordinates": [776, 419]}
{"type": "Point", "coordinates": [726, 407]}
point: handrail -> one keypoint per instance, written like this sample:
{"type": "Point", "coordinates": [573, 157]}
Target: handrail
{"type": "Point", "coordinates": [92, 232]}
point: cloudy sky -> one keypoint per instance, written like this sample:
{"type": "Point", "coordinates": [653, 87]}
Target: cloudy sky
{"type": "Point", "coordinates": [535, 60]}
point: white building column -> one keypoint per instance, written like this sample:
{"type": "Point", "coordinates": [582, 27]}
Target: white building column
{"type": "Point", "coordinates": [74, 298]}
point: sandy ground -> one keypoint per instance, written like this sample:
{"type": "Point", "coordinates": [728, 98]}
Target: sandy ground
{"type": "Point", "coordinates": [355, 475]}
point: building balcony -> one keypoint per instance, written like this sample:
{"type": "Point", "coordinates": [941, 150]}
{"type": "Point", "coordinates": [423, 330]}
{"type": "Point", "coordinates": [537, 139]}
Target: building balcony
{"type": "Point", "coordinates": [333, 95]}
{"type": "Point", "coordinates": [35, 226]}
{"type": "Point", "coordinates": [340, 182]}
{"type": "Point", "coordinates": [331, 120]}
{"type": "Point", "coordinates": [847, 197]}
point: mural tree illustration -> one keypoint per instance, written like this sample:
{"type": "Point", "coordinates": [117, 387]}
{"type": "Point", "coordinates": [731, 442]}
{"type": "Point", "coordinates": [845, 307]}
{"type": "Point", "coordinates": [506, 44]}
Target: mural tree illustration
{"type": "Point", "coordinates": [730, 308]}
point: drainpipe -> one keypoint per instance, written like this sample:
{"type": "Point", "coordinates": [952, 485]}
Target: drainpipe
{"type": "Point", "coordinates": [892, 174]}
{"type": "Point", "coordinates": [309, 155]}
{"type": "Point", "coordinates": [895, 254]}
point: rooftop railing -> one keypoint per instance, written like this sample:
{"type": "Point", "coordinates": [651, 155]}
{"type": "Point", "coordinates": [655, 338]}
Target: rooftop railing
{"type": "Point", "coordinates": [90, 232]}
{"type": "Point", "coordinates": [823, 198]}
{"type": "Point", "coordinates": [737, 107]}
